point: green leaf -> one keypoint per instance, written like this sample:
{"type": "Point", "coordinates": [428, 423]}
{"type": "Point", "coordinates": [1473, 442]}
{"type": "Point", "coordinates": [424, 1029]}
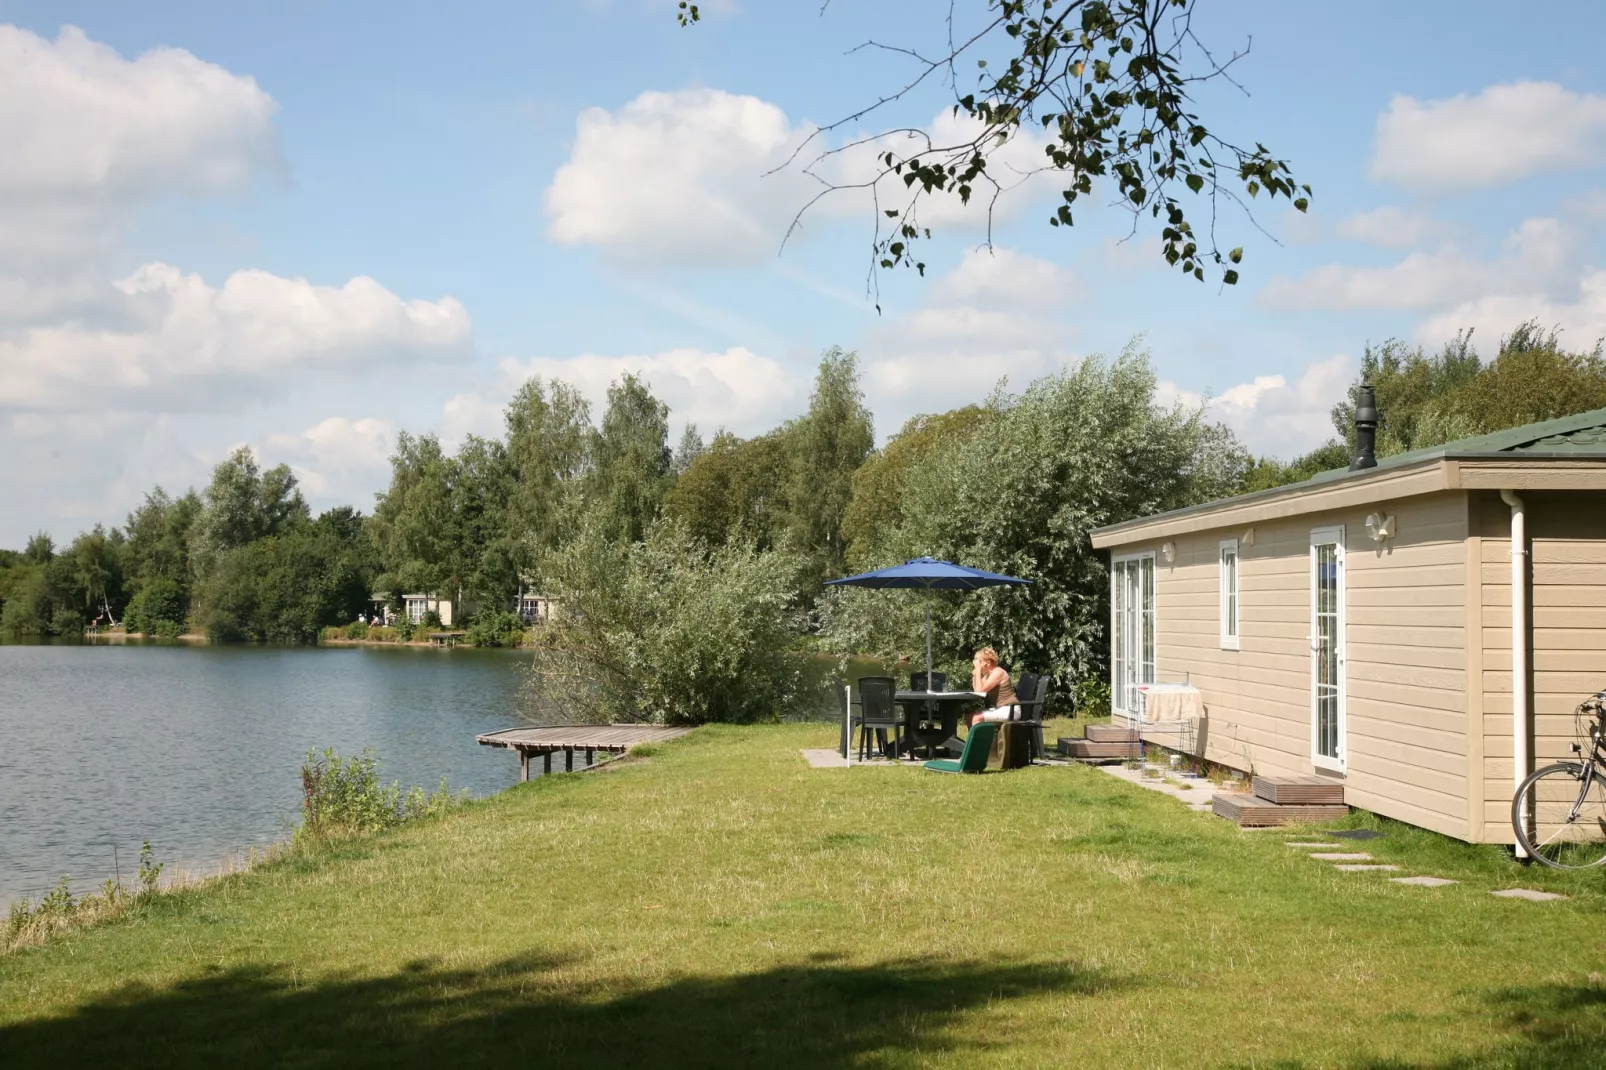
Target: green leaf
{"type": "Point", "coordinates": [1195, 183]}
{"type": "Point", "coordinates": [1236, 255]}
{"type": "Point", "coordinates": [1230, 277]}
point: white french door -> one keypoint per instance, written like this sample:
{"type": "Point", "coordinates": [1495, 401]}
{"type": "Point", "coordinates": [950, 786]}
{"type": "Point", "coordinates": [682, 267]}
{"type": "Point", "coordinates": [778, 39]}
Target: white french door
{"type": "Point", "coordinates": [1131, 630]}
{"type": "Point", "coordinates": [1327, 687]}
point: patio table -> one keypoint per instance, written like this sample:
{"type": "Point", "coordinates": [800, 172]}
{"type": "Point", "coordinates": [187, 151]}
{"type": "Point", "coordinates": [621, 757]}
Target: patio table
{"type": "Point", "coordinates": [944, 707]}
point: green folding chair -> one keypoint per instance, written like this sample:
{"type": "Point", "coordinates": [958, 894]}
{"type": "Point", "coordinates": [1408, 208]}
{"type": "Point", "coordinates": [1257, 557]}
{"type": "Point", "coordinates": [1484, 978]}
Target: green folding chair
{"type": "Point", "coordinates": [978, 745]}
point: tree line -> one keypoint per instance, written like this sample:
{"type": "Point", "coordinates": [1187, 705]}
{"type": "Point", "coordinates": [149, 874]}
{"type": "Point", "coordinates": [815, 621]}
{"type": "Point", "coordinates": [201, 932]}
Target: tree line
{"type": "Point", "coordinates": [690, 577]}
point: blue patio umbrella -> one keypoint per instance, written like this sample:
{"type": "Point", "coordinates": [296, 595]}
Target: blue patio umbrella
{"type": "Point", "coordinates": [929, 574]}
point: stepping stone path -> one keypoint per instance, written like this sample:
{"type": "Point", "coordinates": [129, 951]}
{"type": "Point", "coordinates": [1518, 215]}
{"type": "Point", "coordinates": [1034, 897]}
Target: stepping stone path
{"type": "Point", "coordinates": [1424, 882]}
{"type": "Point", "coordinates": [1368, 869]}
{"type": "Point", "coordinates": [1533, 895]}
{"type": "Point", "coordinates": [1342, 856]}
{"type": "Point", "coordinates": [1315, 844]}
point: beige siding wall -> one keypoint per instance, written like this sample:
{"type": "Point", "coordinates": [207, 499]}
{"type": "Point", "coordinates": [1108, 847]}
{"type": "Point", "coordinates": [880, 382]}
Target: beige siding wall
{"type": "Point", "coordinates": [1407, 655]}
{"type": "Point", "coordinates": [1567, 544]}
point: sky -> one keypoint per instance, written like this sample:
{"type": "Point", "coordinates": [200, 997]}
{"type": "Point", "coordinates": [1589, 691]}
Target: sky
{"type": "Point", "coordinates": [306, 227]}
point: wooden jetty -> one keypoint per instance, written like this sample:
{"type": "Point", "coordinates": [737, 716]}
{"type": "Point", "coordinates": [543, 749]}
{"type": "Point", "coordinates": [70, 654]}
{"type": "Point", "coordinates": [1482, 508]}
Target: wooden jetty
{"type": "Point", "coordinates": [612, 738]}
{"type": "Point", "coordinates": [446, 638]}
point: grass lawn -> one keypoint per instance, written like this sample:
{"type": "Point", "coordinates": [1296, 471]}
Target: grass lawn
{"type": "Point", "coordinates": [720, 904]}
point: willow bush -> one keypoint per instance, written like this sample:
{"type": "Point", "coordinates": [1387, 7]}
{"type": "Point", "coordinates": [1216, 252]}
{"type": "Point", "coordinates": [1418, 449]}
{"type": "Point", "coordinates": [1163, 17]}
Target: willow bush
{"type": "Point", "coordinates": [672, 631]}
{"type": "Point", "coordinates": [1087, 446]}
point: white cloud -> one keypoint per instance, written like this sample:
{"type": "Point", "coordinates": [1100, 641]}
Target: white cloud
{"type": "Point", "coordinates": [1001, 278]}
{"type": "Point", "coordinates": [1581, 316]}
{"type": "Point", "coordinates": [67, 471]}
{"type": "Point", "coordinates": [89, 134]}
{"type": "Point", "coordinates": [338, 461]}
{"type": "Point", "coordinates": [1391, 226]}
{"type": "Point", "coordinates": [736, 389]}
{"type": "Point", "coordinates": [1539, 255]}
{"type": "Point", "coordinates": [1270, 415]}
{"type": "Point", "coordinates": [996, 315]}
{"type": "Point", "coordinates": [679, 176]}
{"type": "Point", "coordinates": [701, 176]}
{"type": "Point", "coordinates": [1502, 134]}
{"type": "Point", "coordinates": [186, 344]}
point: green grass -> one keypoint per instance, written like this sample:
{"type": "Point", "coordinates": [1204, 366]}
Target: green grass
{"type": "Point", "coordinates": [720, 904]}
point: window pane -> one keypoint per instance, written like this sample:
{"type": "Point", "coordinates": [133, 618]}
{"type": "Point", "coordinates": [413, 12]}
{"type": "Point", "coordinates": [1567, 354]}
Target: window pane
{"type": "Point", "coordinates": [1147, 623]}
{"type": "Point", "coordinates": [1229, 592]}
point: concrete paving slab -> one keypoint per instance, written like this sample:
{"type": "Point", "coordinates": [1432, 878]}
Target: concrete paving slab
{"type": "Point", "coordinates": [1342, 856]}
{"type": "Point", "coordinates": [1533, 895]}
{"type": "Point", "coordinates": [1375, 868]}
{"type": "Point", "coordinates": [825, 759]}
{"type": "Point", "coordinates": [1308, 843]}
{"type": "Point", "coordinates": [1424, 882]}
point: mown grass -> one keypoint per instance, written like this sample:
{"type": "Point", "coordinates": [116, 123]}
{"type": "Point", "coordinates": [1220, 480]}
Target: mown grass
{"type": "Point", "coordinates": [718, 903]}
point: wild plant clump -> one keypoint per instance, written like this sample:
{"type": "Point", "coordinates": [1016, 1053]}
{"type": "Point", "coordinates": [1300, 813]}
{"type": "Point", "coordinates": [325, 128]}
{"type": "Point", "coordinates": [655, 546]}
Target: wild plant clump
{"type": "Point", "coordinates": [343, 796]}
{"type": "Point", "coordinates": [28, 924]}
{"type": "Point", "coordinates": [497, 629]}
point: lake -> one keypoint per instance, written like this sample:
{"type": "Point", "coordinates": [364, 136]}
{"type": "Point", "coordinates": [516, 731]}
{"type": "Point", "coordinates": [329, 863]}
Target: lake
{"type": "Point", "coordinates": [199, 748]}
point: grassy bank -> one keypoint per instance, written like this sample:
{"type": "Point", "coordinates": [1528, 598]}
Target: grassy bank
{"type": "Point", "coordinates": [720, 904]}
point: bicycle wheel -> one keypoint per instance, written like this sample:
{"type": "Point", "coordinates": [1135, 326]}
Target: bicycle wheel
{"type": "Point", "coordinates": [1559, 819]}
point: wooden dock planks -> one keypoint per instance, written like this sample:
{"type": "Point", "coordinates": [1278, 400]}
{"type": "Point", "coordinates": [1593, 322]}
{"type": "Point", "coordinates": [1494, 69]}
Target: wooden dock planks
{"type": "Point", "coordinates": [609, 737]}
{"type": "Point", "coordinates": [548, 740]}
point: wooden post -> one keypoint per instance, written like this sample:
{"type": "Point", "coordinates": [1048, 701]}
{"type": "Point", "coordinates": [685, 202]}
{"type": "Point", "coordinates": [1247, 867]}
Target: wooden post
{"type": "Point", "coordinates": [568, 759]}
{"type": "Point", "coordinates": [546, 762]}
{"type": "Point", "coordinates": [588, 757]}
{"type": "Point", "coordinates": [524, 766]}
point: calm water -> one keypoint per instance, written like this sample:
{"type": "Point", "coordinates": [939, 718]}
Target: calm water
{"type": "Point", "coordinates": [198, 749]}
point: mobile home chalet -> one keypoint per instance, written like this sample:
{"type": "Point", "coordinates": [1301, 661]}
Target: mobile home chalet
{"type": "Point", "coordinates": [1359, 626]}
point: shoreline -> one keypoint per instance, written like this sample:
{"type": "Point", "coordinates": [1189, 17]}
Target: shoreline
{"type": "Point", "coordinates": [194, 639]}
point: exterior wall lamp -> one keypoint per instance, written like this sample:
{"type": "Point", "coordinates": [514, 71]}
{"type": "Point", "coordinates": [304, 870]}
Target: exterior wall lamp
{"type": "Point", "coordinates": [1168, 551]}
{"type": "Point", "coordinates": [1380, 527]}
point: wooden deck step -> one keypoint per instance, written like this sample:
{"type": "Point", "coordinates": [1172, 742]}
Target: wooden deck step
{"type": "Point", "coordinates": [1300, 790]}
{"type": "Point", "coordinates": [1251, 811]}
{"type": "Point", "coordinates": [1109, 733]}
{"type": "Point", "coordinates": [1100, 751]}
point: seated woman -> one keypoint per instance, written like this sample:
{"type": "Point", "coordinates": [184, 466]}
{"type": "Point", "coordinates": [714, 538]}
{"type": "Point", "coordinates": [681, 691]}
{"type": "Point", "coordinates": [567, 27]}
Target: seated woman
{"type": "Point", "coordinates": [988, 677]}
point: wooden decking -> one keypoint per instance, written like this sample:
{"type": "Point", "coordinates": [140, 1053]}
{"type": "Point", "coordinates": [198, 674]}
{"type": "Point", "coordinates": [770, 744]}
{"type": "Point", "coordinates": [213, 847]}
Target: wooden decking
{"type": "Point", "coordinates": [611, 738]}
{"type": "Point", "coordinates": [1251, 811]}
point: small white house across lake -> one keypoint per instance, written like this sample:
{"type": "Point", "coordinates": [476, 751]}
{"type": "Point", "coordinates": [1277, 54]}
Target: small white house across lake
{"type": "Point", "coordinates": [1359, 625]}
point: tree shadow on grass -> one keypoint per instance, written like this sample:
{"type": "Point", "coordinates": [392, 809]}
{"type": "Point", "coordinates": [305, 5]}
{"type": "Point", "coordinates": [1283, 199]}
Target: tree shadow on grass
{"type": "Point", "coordinates": [1550, 1027]}
{"type": "Point", "coordinates": [523, 1012]}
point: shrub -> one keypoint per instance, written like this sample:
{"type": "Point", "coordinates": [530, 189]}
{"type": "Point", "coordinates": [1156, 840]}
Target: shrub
{"type": "Point", "coordinates": [497, 629]}
{"type": "Point", "coordinates": [357, 629]}
{"type": "Point", "coordinates": [157, 609]}
{"type": "Point", "coordinates": [1092, 697]}
{"type": "Point", "coordinates": [67, 622]}
{"type": "Point", "coordinates": [345, 797]}
{"type": "Point", "coordinates": [431, 621]}
{"type": "Point", "coordinates": [380, 634]}
{"type": "Point", "coordinates": [404, 629]}
{"type": "Point", "coordinates": [671, 631]}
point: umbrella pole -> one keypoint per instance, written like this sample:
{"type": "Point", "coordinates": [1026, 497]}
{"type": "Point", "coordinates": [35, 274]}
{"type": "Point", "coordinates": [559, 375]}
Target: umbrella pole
{"type": "Point", "coordinates": [928, 637]}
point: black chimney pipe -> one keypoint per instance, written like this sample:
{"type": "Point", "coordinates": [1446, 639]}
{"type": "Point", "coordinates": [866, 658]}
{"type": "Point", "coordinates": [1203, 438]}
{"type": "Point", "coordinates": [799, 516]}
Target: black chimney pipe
{"type": "Point", "coordinates": [1365, 429]}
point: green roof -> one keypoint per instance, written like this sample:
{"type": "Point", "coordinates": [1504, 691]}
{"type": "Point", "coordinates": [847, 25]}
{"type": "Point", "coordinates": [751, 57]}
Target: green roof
{"type": "Point", "coordinates": [1581, 435]}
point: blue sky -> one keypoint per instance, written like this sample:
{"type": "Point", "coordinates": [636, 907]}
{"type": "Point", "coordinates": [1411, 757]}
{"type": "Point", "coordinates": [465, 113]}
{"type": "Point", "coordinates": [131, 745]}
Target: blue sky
{"type": "Point", "coordinates": [306, 226]}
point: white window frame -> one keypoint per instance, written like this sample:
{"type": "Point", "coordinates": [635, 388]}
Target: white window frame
{"type": "Point", "coordinates": [1339, 763]}
{"type": "Point", "coordinates": [1137, 637]}
{"type": "Point", "coordinates": [1230, 617]}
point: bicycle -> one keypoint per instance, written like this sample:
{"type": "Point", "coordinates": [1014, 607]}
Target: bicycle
{"type": "Point", "coordinates": [1559, 812]}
